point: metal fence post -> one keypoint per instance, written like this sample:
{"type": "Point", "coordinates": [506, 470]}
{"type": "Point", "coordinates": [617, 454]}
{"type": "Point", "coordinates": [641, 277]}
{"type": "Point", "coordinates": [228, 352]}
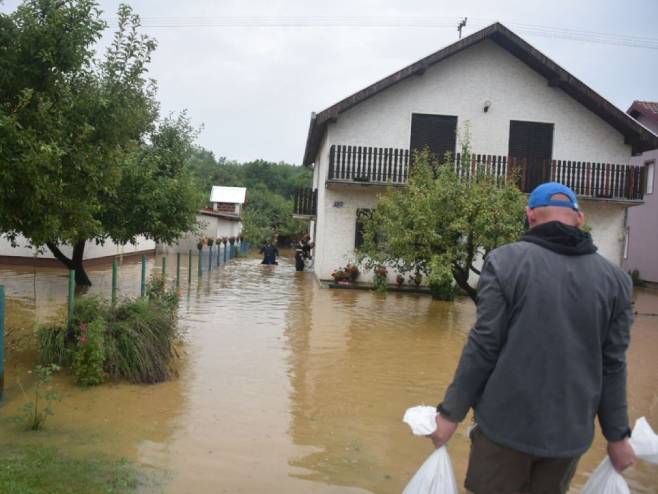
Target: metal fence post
{"type": "Point", "coordinates": [114, 281]}
{"type": "Point", "coordinates": [177, 269]}
{"type": "Point", "coordinates": [200, 265]}
{"type": "Point", "coordinates": [2, 340]}
{"type": "Point", "coordinates": [143, 278]}
{"type": "Point", "coordinates": [189, 266]}
{"type": "Point", "coordinates": [225, 252]}
{"type": "Point", "coordinates": [71, 295]}
{"type": "Point", "coordinates": [210, 258]}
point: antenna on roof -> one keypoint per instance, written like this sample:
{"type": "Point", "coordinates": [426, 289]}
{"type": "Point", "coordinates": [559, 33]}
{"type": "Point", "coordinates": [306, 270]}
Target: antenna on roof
{"type": "Point", "coordinates": [461, 25]}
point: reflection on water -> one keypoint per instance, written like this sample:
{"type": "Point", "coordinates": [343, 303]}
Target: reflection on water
{"type": "Point", "coordinates": [285, 387]}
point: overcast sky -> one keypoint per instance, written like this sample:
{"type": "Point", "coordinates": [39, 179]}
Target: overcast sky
{"type": "Point", "coordinates": [253, 88]}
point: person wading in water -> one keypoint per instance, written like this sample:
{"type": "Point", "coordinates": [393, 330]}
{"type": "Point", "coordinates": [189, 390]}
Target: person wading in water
{"type": "Point", "coordinates": [269, 252]}
{"type": "Point", "coordinates": [546, 355]}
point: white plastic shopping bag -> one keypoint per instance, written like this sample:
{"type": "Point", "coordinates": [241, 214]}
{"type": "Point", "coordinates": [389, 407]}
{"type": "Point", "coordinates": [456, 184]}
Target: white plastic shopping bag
{"type": "Point", "coordinates": [606, 480]}
{"type": "Point", "coordinates": [436, 475]}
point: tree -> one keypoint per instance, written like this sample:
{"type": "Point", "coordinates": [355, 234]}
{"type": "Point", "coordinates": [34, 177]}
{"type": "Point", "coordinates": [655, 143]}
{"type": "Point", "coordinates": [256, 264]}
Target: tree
{"type": "Point", "coordinates": [268, 215]}
{"type": "Point", "coordinates": [441, 223]}
{"type": "Point", "coordinates": [79, 142]}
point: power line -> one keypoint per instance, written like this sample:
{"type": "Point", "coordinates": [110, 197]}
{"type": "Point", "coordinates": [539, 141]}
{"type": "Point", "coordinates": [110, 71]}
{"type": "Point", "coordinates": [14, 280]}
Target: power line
{"type": "Point", "coordinates": [416, 22]}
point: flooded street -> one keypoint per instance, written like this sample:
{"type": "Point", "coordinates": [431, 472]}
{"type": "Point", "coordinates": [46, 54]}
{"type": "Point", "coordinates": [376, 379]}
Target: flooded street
{"type": "Point", "coordinates": [283, 386]}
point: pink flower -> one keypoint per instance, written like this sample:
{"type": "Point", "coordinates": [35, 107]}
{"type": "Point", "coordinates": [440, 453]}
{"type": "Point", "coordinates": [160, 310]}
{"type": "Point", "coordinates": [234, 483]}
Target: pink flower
{"type": "Point", "coordinates": [83, 340]}
{"type": "Point", "coordinates": [84, 327]}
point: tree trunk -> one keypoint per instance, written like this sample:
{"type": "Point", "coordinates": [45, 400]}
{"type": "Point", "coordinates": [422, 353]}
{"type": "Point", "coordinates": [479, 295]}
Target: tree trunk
{"type": "Point", "coordinates": [461, 277]}
{"type": "Point", "coordinates": [81, 278]}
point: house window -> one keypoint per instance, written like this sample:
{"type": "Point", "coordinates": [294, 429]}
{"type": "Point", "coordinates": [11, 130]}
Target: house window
{"type": "Point", "coordinates": [437, 132]}
{"type": "Point", "coordinates": [650, 166]}
{"type": "Point", "coordinates": [361, 216]}
{"type": "Point", "coordinates": [531, 143]}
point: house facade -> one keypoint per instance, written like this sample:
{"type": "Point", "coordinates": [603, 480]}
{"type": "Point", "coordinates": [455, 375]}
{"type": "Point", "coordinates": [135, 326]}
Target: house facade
{"type": "Point", "coordinates": [642, 235]}
{"type": "Point", "coordinates": [522, 110]}
{"type": "Point", "coordinates": [222, 218]}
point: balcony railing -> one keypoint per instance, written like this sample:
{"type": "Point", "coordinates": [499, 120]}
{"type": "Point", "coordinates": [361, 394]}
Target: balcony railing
{"type": "Point", "coordinates": [587, 179]}
{"type": "Point", "coordinates": [390, 166]}
{"type": "Point", "coordinates": [306, 202]}
{"type": "Point", "coordinates": [368, 165]}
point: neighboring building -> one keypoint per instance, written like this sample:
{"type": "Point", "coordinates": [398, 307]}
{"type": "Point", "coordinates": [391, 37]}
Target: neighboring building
{"type": "Point", "coordinates": [223, 218]}
{"type": "Point", "coordinates": [641, 250]}
{"type": "Point", "coordinates": [25, 253]}
{"type": "Point", "coordinates": [521, 108]}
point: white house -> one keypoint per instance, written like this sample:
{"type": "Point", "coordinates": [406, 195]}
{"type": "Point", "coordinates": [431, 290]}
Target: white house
{"type": "Point", "coordinates": [521, 107]}
{"type": "Point", "coordinates": [223, 218]}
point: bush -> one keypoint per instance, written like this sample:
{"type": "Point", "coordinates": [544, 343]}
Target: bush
{"type": "Point", "coordinates": [89, 353]}
{"type": "Point", "coordinates": [380, 282]}
{"type": "Point", "coordinates": [132, 340]}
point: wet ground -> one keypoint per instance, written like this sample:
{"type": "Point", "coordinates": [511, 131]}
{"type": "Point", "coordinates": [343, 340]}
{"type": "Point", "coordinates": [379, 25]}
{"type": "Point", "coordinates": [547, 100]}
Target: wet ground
{"type": "Point", "coordinates": [284, 387]}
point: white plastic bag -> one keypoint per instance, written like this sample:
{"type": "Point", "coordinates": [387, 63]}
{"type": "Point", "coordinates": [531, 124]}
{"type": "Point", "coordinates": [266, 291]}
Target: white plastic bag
{"type": "Point", "coordinates": [606, 480]}
{"type": "Point", "coordinates": [436, 475]}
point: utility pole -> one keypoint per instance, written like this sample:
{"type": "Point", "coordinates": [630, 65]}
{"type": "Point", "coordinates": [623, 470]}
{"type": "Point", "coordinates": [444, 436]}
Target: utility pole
{"type": "Point", "coordinates": [461, 25]}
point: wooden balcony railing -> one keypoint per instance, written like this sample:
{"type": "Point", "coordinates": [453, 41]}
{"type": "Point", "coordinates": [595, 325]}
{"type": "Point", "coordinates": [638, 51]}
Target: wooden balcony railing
{"type": "Point", "coordinates": [390, 166]}
{"type": "Point", "coordinates": [368, 165]}
{"type": "Point", "coordinates": [587, 179]}
{"type": "Point", "coordinates": [306, 202]}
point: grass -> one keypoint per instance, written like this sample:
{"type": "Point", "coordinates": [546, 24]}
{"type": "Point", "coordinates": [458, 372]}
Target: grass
{"type": "Point", "coordinates": [30, 469]}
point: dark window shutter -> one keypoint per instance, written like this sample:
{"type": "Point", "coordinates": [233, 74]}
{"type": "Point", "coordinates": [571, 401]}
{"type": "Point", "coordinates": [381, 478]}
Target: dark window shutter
{"type": "Point", "coordinates": [532, 143]}
{"type": "Point", "coordinates": [437, 132]}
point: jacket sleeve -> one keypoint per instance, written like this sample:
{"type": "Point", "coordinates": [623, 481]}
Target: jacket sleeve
{"type": "Point", "coordinates": [484, 344]}
{"type": "Point", "coordinates": [613, 409]}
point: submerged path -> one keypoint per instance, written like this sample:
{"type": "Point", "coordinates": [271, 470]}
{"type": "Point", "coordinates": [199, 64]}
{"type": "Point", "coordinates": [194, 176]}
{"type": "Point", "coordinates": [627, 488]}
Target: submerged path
{"type": "Point", "coordinates": [286, 387]}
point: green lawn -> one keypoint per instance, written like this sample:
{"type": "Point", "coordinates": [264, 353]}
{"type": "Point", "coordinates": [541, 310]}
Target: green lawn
{"type": "Point", "coordinates": [43, 470]}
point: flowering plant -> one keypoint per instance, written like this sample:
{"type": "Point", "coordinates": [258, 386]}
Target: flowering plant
{"type": "Point", "coordinates": [399, 279]}
{"type": "Point", "coordinates": [200, 244]}
{"type": "Point", "coordinates": [210, 242]}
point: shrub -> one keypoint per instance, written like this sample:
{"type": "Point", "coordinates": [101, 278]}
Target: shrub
{"type": "Point", "coordinates": [380, 282]}
{"type": "Point", "coordinates": [33, 413]}
{"type": "Point", "coordinates": [132, 340]}
{"type": "Point", "coordinates": [89, 353]}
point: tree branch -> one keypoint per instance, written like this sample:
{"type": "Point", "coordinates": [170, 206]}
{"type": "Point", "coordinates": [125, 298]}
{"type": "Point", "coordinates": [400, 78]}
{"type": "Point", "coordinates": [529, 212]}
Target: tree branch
{"type": "Point", "coordinates": [59, 255]}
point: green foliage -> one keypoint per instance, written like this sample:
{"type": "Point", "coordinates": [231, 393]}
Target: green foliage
{"type": "Point", "coordinates": [635, 278]}
{"type": "Point", "coordinates": [380, 282]}
{"type": "Point", "coordinates": [132, 340]}
{"type": "Point", "coordinates": [269, 215]}
{"type": "Point", "coordinates": [89, 353]}
{"type": "Point", "coordinates": [441, 223]}
{"type": "Point", "coordinates": [271, 188]}
{"type": "Point", "coordinates": [35, 411]}
{"type": "Point", "coordinates": [83, 158]}
{"type": "Point", "coordinates": [30, 469]}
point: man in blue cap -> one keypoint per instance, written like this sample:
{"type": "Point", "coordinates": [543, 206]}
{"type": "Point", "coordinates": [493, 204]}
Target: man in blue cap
{"type": "Point", "coordinates": [546, 356]}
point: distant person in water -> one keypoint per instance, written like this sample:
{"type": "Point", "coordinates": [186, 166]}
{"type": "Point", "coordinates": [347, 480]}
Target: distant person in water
{"type": "Point", "coordinates": [269, 252]}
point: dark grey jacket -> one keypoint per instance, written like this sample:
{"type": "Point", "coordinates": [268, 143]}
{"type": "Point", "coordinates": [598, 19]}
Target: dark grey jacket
{"type": "Point", "coordinates": [547, 353]}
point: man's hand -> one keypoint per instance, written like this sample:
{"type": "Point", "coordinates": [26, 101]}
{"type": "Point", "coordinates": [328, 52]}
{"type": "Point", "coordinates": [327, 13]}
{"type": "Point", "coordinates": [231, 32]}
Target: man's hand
{"type": "Point", "coordinates": [444, 431]}
{"type": "Point", "coordinates": [621, 454]}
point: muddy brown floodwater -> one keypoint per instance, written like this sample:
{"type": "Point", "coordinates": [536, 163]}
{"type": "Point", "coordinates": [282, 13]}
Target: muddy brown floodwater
{"type": "Point", "coordinates": [284, 386]}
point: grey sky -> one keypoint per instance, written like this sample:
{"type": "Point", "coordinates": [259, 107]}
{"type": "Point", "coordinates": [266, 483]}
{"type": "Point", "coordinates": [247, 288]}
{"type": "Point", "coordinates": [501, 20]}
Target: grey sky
{"type": "Point", "coordinates": [253, 88]}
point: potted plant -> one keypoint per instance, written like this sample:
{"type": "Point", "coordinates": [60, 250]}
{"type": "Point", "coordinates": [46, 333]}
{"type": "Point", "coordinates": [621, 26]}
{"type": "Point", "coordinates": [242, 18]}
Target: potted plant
{"type": "Point", "coordinates": [340, 276]}
{"type": "Point", "coordinates": [199, 244]}
{"type": "Point", "coordinates": [351, 271]}
{"type": "Point", "coordinates": [399, 280]}
{"type": "Point", "coordinates": [225, 240]}
{"type": "Point", "coordinates": [210, 242]}
{"type": "Point", "coordinates": [231, 240]}
{"type": "Point", "coordinates": [417, 279]}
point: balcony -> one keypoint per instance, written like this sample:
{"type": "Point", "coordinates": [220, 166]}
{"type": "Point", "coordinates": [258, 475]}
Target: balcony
{"type": "Point", "coordinates": [306, 203]}
{"type": "Point", "coordinates": [362, 165]}
{"type": "Point", "coordinates": [368, 165]}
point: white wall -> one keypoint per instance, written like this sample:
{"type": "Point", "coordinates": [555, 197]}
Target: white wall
{"type": "Point", "coordinates": [208, 227]}
{"type": "Point", "coordinates": [92, 251]}
{"type": "Point", "coordinates": [459, 86]}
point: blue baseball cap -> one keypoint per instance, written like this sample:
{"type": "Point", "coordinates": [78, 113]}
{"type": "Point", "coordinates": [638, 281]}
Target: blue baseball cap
{"type": "Point", "coordinates": [543, 196]}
